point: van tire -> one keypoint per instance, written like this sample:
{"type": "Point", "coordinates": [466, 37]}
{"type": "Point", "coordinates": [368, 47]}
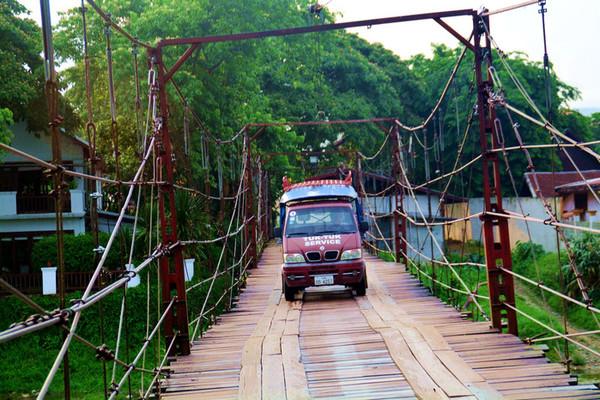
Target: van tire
{"type": "Point", "coordinates": [288, 292]}
{"type": "Point", "coordinates": [361, 287]}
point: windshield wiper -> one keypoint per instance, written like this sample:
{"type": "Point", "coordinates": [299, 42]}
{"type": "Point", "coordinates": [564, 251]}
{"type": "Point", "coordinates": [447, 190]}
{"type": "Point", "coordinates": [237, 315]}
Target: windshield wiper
{"type": "Point", "coordinates": [334, 232]}
{"type": "Point", "coordinates": [298, 234]}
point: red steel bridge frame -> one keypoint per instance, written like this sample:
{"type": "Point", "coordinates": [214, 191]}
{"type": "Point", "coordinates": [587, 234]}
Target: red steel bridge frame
{"type": "Point", "coordinates": [495, 228]}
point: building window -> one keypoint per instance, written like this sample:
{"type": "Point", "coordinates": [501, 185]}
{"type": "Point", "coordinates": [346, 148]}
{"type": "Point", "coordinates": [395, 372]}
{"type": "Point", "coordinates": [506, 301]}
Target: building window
{"type": "Point", "coordinates": [581, 201]}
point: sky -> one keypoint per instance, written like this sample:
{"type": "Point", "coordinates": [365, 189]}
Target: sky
{"type": "Point", "coordinates": [573, 27]}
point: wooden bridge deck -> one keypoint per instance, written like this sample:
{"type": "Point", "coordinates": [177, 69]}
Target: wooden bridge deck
{"type": "Point", "coordinates": [397, 342]}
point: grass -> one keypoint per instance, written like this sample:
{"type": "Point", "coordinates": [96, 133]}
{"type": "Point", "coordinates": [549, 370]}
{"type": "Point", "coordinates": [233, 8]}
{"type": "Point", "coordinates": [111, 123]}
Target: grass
{"type": "Point", "coordinates": [25, 362]}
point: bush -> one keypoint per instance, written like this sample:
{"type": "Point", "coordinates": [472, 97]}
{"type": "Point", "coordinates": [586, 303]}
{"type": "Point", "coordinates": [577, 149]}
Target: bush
{"type": "Point", "coordinates": [78, 254]}
{"type": "Point", "coordinates": [527, 252]}
{"type": "Point", "coordinates": [586, 249]}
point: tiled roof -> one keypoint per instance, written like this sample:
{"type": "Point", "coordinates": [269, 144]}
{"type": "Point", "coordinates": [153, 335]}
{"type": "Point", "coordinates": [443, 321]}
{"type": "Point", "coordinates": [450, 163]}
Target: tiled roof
{"type": "Point", "coordinates": [549, 181]}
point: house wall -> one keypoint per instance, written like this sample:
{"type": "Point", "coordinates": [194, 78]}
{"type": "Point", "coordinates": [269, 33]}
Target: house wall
{"type": "Point", "coordinates": [592, 214]}
{"type": "Point", "coordinates": [421, 240]}
{"type": "Point", "coordinates": [417, 236]}
{"type": "Point", "coordinates": [385, 204]}
{"type": "Point", "coordinates": [10, 221]}
{"type": "Point", "coordinates": [471, 230]}
{"type": "Point", "coordinates": [29, 227]}
{"type": "Point", "coordinates": [40, 146]}
{"type": "Point", "coordinates": [460, 231]}
{"type": "Point", "coordinates": [518, 230]}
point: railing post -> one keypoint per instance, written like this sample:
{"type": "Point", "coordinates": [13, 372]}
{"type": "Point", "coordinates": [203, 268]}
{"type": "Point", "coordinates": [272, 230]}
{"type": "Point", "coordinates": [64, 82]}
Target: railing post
{"type": "Point", "coordinates": [171, 265]}
{"type": "Point", "coordinates": [249, 217]}
{"type": "Point", "coordinates": [495, 229]}
{"type": "Point", "coordinates": [399, 219]}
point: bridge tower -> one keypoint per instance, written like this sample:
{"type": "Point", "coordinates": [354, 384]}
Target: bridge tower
{"type": "Point", "coordinates": [399, 230]}
{"type": "Point", "coordinates": [171, 265]}
{"type": "Point", "coordinates": [495, 228]}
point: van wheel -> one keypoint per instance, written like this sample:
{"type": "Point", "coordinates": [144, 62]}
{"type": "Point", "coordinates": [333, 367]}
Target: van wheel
{"type": "Point", "coordinates": [289, 293]}
{"type": "Point", "coordinates": [361, 287]}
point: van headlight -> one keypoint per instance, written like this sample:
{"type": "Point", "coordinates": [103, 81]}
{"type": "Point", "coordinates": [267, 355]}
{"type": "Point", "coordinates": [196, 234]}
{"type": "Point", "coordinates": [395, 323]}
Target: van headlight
{"type": "Point", "coordinates": [351, 254]}
{"type": "Point", "coordinates": [293, 258]}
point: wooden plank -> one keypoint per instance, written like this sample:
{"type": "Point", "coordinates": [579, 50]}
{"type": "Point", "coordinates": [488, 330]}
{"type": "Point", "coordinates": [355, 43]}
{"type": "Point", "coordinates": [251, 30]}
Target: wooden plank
{"type": "Point", "coordinates": [374, 319]}
{"type": "Point", "coordinates": [292, 323]}
{"type": "Point", "coordinates": [250, 382]}
{"type": "Point", "coordinates": [396, 342]}
{"type": "Point", "coordinates": [271, 344]}
{"type": "Point", "coordinates": [417, 377]}
{"type": "Point", "coordinates": [273, 381]}
{"type": "Point", "coordinates": [296, 384]}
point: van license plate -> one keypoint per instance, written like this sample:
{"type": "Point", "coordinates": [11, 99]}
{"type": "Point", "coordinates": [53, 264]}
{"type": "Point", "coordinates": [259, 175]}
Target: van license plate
{"type": "Point", "coordinates": [323, 280]}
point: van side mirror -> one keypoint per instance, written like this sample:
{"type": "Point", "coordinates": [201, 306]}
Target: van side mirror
{"type": "Point", "coordinates": [364, 226]}
{"type": "Point", "coordinates": [277, 232]}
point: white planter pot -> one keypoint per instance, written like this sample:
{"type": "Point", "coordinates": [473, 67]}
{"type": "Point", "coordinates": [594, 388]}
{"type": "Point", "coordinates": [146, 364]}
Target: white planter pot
{"type": "Point", "coordinates": [135, 281]}
{"type": "Point", "coordinates": [188, 268]}
{"type": "Point", "coordinates": [49, 280]}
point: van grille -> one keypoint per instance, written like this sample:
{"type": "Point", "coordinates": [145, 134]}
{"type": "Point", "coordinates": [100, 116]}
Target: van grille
{"type": "Point", "coordinates": [313, 256]}
{"type": "Point", "coordinates": [331, 255]}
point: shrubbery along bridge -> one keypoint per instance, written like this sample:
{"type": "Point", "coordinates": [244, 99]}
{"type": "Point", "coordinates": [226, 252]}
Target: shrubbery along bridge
{"type": "Point", "coordinates": [264, 335]}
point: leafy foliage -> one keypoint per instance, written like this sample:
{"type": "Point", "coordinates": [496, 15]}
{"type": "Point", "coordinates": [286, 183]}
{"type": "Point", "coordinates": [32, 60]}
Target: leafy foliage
{"type": "Point", "coordinates": [6, 120]}
{"type": "Point", "coordinates": [78, 253]}
{"type": "Point", "coordinates": [586, 248]}
{"type": "Point", "coordinates": [22, 71]}
{"type": "Point", "coordinates": [527, 252]}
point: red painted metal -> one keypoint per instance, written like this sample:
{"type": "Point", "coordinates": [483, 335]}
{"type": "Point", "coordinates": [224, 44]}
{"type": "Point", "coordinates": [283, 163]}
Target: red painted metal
{"type": "Point", "coordinates": [249, 216]}
{"type": "Point", "coordinates": [454, 33]}
{"type": "Point", "coordinates": [501, 287]}
{"type": "Point", "coordinates": [314, 28]}
{"type": "Point", "coordinates": [171, 265]}
{"type": "Point", "coordinates": [495, 229]}
{"type": "Point", "coordinates": [187, 54]}
{"type": "Point", "coordinates": [399, 230]}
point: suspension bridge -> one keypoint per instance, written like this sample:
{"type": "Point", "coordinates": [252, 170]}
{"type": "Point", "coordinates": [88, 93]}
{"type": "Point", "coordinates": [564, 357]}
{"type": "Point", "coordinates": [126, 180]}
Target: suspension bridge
{"type": "Point", "coordinates": [399, 341]}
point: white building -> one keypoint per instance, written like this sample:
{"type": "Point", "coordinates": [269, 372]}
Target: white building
{"type": "Point", "coordinates": [26, 205]}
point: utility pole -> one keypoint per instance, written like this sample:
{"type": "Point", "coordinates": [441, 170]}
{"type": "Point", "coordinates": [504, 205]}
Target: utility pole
{"type": "Point", "coordinates": [171, 265]}
{"type": "Point", "coordinates": [495, 228]}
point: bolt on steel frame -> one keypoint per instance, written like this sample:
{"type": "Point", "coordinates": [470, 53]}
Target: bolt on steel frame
{"type": "Point", "coordinates": [497, 246]}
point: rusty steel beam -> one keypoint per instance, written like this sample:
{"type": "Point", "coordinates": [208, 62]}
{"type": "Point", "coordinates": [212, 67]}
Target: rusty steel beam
{"type": "Point", "coordinates": [249, 215]}
{"type": "Point", "coordinates": [495, 228]}
{"type": "Point", "coordinates": [461, 38]}
{"type": "Point", "coordinates": [171, 265]}
{"type": "Point", "coordinates": [315, 28]}
{"type": "Point", "coordinates": [183, 58]}
{"type": "Point", "coordinates": [400, 248]}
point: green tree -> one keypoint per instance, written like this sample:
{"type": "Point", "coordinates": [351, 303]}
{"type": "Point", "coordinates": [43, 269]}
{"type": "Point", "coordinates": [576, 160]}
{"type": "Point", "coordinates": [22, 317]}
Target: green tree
{"type": "Point", "coordinates": [5, 122]}
{"type": "Point", "coordinates": [22, 72]}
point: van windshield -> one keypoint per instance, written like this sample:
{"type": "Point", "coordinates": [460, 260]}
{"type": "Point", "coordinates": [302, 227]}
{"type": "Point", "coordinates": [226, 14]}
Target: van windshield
{"type": "Point", "coordinates": [316, 221]}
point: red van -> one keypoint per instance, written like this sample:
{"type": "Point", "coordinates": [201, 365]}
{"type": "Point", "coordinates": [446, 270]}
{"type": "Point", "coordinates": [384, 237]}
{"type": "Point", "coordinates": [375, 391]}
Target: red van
{"type": "Point", "coordinates": [321, 227]}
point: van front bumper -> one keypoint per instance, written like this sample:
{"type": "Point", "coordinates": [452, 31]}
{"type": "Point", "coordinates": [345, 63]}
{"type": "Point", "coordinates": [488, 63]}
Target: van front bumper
{"type": "Point", "coordinates": [348, 272]}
